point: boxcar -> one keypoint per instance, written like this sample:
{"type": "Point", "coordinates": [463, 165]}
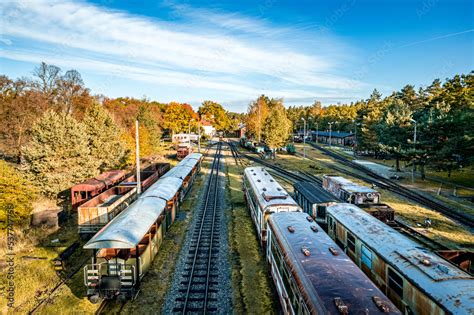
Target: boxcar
{"type": "Point", "coordinates": [313, 276]}
{"type": "Point", "coordinates": [100, 210]}
{"type": "Point", "coordinates": [350, 192]}
{"type": "Point", "coordinates": [417, 280]}
{"type": "Point", "coordinates": [183, 150]}
{"type": "Point", "coordinates": [265, 196]}
{"type": "Point", "coordinates": [84, 191]}
{"type": "Point", "coordinates": [313, 199]}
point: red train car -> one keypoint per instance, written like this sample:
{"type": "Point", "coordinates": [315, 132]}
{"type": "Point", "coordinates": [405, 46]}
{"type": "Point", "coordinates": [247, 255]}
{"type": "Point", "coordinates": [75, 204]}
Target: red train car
{"type": "Point", "coordinates": [91, 187]}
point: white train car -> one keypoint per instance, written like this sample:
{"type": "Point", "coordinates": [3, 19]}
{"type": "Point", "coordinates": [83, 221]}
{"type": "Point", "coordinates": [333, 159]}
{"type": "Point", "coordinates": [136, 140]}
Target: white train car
{"type": "Point", "coordinates": [265, 196]}
{"type": "Point", "coordinates": [350, 192]}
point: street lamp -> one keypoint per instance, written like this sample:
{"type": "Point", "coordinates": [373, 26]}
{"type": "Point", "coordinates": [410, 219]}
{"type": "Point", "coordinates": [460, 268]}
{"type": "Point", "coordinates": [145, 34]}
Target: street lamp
{"type": "Point", "coordinates": [199, 136]}
{"type": "Point", "coordinates": [317, 132]}
{"type": "Point", "coordinates": [304, 137]}
{"type": "Point", "coordinates": [414, 147]}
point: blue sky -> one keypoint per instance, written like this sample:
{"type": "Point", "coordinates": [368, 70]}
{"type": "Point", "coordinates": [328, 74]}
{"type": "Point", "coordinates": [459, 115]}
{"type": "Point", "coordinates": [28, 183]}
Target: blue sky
{"type": "Point", "coordinates": [233, 51]}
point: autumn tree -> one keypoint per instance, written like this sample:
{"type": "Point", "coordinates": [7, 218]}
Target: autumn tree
{"type": "Point", "coordinates": [58, 154]}
{"type": "Point", "coordinates": [257, 113]}
{"type": "Point", "coordinates": [277, 127]}
{"type": "Point", "coordinates": [215, 114]}
{"type": "Point", "coordinates": [104, 138]}
{"type": "Point", "coordinates": [177, 117]}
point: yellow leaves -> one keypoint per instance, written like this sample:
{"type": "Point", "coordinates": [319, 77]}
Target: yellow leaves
{"type": "Point", "coordinates": [127, 137]}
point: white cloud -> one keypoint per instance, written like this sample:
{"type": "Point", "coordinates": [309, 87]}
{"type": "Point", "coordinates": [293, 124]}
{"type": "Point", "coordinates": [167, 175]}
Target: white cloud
{"type": "Point", "coordinates": [145, 49]}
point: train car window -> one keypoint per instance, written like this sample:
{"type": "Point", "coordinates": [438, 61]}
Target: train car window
{"type": "Point", "coordinates": [366, 257]}
{"type": "Point", "coordinates": [395, 282]}
{"type": "Point", "coordinates": [321, 212]}
{"type": "Point", "coordinates": [83, 194]}
{"type": "Point", "coordinates": [351, 242]}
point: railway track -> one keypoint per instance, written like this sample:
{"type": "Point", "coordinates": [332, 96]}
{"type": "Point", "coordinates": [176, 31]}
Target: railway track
{"type": "Point", "coordinates": [281, 171]}
{"type": "Point", "coordinates": [59, 285]}
{"type": "Point", "coordinates": [198, 288]}
{"type": "Point", "coordinates": [382, 182]}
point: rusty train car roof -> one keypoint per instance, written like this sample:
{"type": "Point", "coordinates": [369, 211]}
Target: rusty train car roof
{"type": "Point", "coordinates": [450, 286]}
{"type": "Point", "coordinates": [327, 274]}
{"type": "Point", "coordinates": [314, 193]}
{"type": "Point", "coordinates": [105, 179]}
{"type": "Point", "coordinates": [268, 191]}
{"type": "Point", "coordinates": [349, 185]}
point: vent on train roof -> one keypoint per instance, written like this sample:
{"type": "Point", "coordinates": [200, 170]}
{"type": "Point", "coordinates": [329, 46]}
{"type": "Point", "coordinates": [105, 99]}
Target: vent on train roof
{"type": "Point", "coordinates": [341, 306]}
{"type": "Point", "coordinates": [333, 251]}
{"type": "Point", "coordinates": [314, 228]}
{"type": "Point", "coordinates": [273, 195]}
{"type": "Point", "coordinates": [291, 229]}
{"type": "Point", "coordinates": [381, 305]}
{"type": "Point", "coordinates": [309, 218]}
{"type": "Point", "coordinates": [271, 180]}
{"type": "Point", "coordinates": [306, 251]}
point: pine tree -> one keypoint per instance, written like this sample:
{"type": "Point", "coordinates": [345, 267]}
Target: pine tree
{"type": "Point", "coordinates": [58, 155]}
{"type": "Point", "coordinates": [104, 138]}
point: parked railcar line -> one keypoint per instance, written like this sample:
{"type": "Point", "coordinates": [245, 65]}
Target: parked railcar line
{"type": "Point", "coordinates": [396, 224]}
{"type": "Point", "coordinates": [201, 275]}
{"type": "Point", "coordinates": [389, 185]}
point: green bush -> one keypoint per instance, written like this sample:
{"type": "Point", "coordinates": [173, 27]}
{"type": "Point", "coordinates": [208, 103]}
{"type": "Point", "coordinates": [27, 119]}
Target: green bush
{"type": "Point", "coordinates": [290, 148]}
{"type": "Point", "coordinates": [16, 193]}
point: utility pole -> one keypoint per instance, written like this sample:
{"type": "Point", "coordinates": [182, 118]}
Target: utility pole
{"type": "Point", "coordinates": [199, 136]}
{"type": "Point", "coordinates": [330, 130]}
{"type": "Point", "coordinates": [189, 132]}
{"type": "Point", "coordinates": [137, 154]}
{"type": "Point", "coordinates": [414, 147]}
{"type": "Point", "coordinates": [317, 132]}
{"type": "Point", "coordinates": [304, 137]}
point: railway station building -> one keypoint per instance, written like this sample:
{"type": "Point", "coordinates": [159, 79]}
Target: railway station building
{"type": "Point", "coordinates": [336, 137]}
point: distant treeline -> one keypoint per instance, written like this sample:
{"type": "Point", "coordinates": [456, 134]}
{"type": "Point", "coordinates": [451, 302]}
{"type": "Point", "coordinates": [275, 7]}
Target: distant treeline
{"type": "Point", "coordinates": [443, 112]}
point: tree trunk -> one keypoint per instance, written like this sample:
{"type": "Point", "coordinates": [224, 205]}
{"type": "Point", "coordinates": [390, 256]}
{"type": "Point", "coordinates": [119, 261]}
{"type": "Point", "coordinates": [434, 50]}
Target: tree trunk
{"type": "Point", "coordinates": [422, 171]}
{"type": "Point", "coordinates": [397, 163]}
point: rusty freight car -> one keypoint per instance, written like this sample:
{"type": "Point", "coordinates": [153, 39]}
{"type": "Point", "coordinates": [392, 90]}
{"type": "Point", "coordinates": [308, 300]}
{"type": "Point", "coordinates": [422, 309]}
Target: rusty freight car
{"type": "Point", "coordinates": [91, 187]}
{"type": "Point", "coordinates": [313, 276]}
{"type": "Point", "coordinates": [350, 192]}
{"type": "Point", "coordinates": [148, 176]}
{"type": "Point", "coordinates": [416, 279]}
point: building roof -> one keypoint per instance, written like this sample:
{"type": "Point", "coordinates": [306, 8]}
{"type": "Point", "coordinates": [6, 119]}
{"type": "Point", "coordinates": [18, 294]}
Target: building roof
{"type": "Point", "coordinates": [267, 190]}
{"type": "Point", "coordinates": [206, 123]}
{"type": "Point", "coordinates": [314, 193]}
{"type": "Point", "coordinates": [323, 276]}
{"type": "Point", "coordinates": [446, 283]}
{"type": "Point", "coordinates": [334, 134]}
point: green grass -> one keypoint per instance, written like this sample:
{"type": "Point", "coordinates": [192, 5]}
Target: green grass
{"type": "Point", "coordinates": [252, 288]}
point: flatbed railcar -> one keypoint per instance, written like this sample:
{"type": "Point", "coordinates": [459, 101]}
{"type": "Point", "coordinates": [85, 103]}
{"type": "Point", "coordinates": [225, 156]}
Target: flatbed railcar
{"type": "Point", "coordinates": [350, 192]}
{"type": "Point", "coordinates": [91, 187]}
{"type": "Point", "coordinates": [125, 248]}
{"type": "Point", "coordinates": [265, 196]}
{"type": "Point", "coordinates": [313, 276]}
{"type": "Point", "coordinates": [416, 279]}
